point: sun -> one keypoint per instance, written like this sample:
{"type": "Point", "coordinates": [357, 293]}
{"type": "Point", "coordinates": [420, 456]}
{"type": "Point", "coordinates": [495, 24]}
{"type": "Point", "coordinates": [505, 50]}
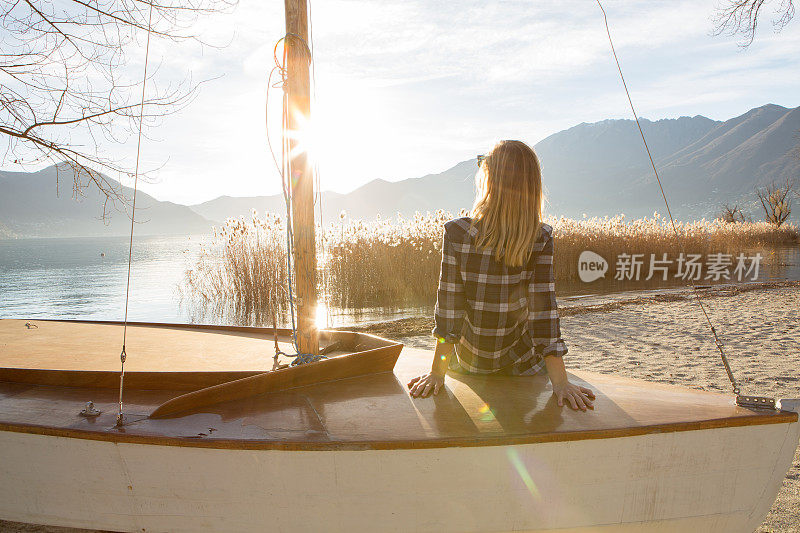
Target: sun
{"type": "Point", "coordinates": [321, 316]}
{"type": "Point", "coordinates": [347, 134]}
{"type": "Point", "coordinates": [305, 137]}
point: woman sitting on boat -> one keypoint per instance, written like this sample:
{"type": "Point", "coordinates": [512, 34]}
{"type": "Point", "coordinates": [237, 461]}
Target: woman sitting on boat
{"type": "Point", "coordinates": [496, 305]}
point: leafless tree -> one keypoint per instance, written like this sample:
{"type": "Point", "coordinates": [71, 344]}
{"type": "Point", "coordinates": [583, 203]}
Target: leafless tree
{"type": "Point", "coordinates": [740, 17]}
{"type": "Point", "coordinates": [67, 85]}
{"type": "Point", "coordinates": [732, 214]}
{"type": "Point", "coordinates": [776, 200]}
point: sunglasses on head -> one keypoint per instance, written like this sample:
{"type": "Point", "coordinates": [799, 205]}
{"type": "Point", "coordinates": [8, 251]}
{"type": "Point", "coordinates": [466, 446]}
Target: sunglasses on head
{"type": "Point", "coordinates": [480, 158]}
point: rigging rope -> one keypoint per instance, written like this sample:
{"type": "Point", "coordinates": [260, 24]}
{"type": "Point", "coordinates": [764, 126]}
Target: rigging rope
{"type": "Point", "coordinates": [123, 355]}
{"type": "Point", "coordinates": [734, 383]}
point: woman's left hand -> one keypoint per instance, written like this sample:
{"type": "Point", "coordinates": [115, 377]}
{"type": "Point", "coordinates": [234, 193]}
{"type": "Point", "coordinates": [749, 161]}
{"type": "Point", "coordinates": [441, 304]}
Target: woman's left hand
{"type": "Point", "coordinates": [577, 396]}
{"type": "Point", "coordinates": [422, 386]}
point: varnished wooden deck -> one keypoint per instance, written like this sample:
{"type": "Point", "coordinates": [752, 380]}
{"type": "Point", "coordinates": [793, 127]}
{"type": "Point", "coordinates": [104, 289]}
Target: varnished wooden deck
{"type": "Point", "coordinates": [372, 411]}
{"type": "Point", "coordinates": [75, 345]}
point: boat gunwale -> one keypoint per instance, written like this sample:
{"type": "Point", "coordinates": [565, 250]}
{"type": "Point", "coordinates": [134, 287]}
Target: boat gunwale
{"type": "Point", "coordinates": [109, 379]}
{"type": "Point", "coordinates": [779, 417]}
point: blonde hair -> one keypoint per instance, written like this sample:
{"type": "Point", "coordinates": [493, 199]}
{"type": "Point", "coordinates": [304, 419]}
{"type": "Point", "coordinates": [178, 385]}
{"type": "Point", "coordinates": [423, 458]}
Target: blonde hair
{"type": "Point", "coordinates": [508, 203]}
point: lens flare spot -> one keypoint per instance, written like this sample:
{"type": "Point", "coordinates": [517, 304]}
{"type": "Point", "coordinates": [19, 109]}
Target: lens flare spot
{"type": "Point", "coordinates": [486, 412]}
{"type": "Point", "coordinates": [522, 470]}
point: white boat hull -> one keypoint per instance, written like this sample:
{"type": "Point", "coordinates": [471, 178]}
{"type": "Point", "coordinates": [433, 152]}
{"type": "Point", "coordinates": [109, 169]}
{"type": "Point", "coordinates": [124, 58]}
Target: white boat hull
{"type": "Point", "coordinates": [720, 479]}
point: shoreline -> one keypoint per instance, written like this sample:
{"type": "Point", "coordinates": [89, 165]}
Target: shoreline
{"type": "Point", "coordinates": [412, 327]}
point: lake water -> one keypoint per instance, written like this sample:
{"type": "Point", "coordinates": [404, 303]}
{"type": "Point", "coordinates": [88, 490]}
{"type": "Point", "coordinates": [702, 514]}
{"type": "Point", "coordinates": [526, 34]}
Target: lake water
{"type": "Point", "coordinates": [84, 278]}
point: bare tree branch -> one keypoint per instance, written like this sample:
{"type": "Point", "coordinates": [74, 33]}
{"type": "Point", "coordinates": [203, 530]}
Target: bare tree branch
{"type": "Point", "coordinates": [776, 201]}
{"type": "Point", "coordinates": [732, 214]}
{"type": "Point", "coordinates": [740, 18]}
{"type": "Point", "coordinates": [66, 86]}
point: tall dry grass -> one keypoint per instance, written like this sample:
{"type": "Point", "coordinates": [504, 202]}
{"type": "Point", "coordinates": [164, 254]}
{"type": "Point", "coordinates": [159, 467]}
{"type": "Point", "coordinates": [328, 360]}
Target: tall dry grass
{"type": "Point", "coordinates": [385, 263]}
{"type": "Point", "coordinates": [394, 263]}
{"type": "Point", "coordinates": [612, 236]}
{"type": "Point", "coordinates": [242, 274]}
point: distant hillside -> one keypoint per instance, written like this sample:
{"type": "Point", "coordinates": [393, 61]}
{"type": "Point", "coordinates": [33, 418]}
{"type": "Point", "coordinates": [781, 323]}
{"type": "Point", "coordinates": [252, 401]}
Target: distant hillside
{"type": "Point", "coordinates": [450, 190]}
{"type": "Point", "coordinates": [601, 169]}
{"type": "Point", "coordinates": [30, 207]}
{"type": "Point", "coordinates": [597, 169]}
{"type": "Point", "coordinates": [728, 162]}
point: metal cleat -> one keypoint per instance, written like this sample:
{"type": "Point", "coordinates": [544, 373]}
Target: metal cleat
{"type": "Point", "coordinates": [755, 402]}
{"type": "Point", "coordinates": [89, 410]}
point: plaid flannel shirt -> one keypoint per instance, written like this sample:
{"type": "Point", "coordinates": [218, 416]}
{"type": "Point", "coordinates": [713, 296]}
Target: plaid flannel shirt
{"type": "Point", "coordinates": [501, 319]}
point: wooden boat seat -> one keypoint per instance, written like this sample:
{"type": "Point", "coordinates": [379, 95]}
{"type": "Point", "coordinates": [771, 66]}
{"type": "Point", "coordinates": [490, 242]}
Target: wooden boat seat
{"type": "Point", "coordinates": [372, 411]}
{"type": "Point", "coordinates": [160, 356]}
{"type": "Point", "coordinates": [90, 345]}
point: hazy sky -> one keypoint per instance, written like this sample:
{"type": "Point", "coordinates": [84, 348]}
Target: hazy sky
{"type": "Point", "coordinates": [410, 87]}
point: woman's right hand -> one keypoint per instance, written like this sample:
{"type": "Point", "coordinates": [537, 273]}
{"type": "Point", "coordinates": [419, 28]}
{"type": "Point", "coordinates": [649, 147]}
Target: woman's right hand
{"type": "Point", "coordinates": [578, 397]}
{"type": "Point", "coordinates": [422, 386]}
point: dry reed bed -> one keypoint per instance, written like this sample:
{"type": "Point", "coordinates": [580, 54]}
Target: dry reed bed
{"type": "Point", "coordinates": [242, 275]}
{"type": "Point", "coordinates": [395, 263]}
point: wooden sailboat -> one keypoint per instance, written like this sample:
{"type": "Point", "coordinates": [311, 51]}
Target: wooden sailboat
{"type": "Point", "coordinates": [357, 453]}
{"type": "Point", "coordinates": [210, 441]}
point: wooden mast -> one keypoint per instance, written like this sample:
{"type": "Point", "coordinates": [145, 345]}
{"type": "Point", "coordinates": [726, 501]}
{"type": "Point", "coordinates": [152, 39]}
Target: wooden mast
{"type": "Point", "coordinates": [298, 56]}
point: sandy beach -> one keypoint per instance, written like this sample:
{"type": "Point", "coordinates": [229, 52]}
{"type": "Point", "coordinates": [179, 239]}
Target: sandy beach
{"type": "Point", "coordinates": [663, 338]}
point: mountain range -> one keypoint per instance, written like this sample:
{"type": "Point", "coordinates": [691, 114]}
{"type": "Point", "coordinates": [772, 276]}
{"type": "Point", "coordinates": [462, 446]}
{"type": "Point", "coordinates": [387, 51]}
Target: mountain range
{"type": "Point", "coordinates": [601, 169]}
{"type": "Point", "coordinates": [598, 169]}
{"type": "Point", "coordinates": [30, 206]}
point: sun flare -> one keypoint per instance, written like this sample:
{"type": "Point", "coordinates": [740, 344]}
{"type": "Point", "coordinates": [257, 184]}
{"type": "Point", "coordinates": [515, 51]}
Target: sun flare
{"type": "Point", "coordinates": [321, 316]}
{"type": "Point", "coordinates": [304, 138]}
